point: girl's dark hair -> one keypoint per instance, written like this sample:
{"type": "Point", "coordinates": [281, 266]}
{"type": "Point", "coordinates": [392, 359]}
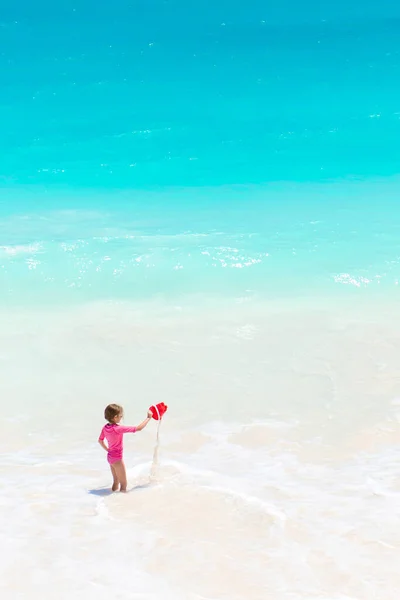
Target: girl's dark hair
{"type": "Point", "coordinates": [111, 411]}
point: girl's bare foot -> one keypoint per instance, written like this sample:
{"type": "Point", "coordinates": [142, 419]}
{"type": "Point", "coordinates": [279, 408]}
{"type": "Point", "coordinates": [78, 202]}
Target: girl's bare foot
{"type": "Point", "coordinates": [115, 487]}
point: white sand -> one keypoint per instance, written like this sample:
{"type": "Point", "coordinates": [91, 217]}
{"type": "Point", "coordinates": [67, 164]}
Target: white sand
{"type": "Point", "coordinates": [278, 475]}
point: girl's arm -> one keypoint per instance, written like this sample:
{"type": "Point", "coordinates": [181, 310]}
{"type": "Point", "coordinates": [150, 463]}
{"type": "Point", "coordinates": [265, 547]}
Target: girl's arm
{"type": "Point", "coordinates": [102, 444]}
{"type": "Point", "coordinates": [145, 422]}
{"type": "Point", "coordinates": [101, 440]}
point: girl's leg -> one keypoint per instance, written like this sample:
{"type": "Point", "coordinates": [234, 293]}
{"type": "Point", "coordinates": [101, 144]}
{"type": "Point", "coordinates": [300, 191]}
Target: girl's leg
{"type": "Point", "coordinates": [120, 472]}
{"type": "Point", "coordinates": [115, 485]}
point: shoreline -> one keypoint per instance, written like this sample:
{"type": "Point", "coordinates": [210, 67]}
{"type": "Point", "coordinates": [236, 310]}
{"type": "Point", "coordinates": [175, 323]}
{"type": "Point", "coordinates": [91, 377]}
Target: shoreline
{"type": "Point", "coordinates": [358, 302]}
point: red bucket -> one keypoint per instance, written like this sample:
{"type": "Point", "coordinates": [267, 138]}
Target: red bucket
{"type": "Point", "coordinates": [158, 410]}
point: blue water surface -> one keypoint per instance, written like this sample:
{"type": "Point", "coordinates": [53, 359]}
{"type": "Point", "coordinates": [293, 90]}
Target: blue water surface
{"type": "Point", "coordinates": [154, 93]}
{"type": "Point", "coordinates": [141, 142]}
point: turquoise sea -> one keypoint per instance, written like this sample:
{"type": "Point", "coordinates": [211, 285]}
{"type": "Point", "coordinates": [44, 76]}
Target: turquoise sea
{"type": "Point", "coordinates": [200, 204]}
{"type": "Point", "coordinates": [185, 141]}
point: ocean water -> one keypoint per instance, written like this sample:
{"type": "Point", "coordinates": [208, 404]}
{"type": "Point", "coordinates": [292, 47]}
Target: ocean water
{"type": "Point", "coordinates": [200, 205]}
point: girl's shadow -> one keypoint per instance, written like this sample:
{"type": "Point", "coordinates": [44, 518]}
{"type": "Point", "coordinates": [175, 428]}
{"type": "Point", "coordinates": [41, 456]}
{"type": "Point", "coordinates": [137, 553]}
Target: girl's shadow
{"type": "Point", "coordinates": [101, 492]}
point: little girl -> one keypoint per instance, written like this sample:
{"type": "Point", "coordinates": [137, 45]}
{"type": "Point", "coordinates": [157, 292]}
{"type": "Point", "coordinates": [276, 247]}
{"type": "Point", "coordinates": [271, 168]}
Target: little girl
{"type": "Point", "coordinates": [113, 432]}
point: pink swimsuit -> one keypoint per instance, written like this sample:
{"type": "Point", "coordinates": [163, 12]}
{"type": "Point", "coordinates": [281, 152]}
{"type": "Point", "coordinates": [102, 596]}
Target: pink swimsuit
{"type": "Point", "coordinates": [114, 434]}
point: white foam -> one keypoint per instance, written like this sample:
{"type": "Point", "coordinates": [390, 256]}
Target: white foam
{"type": "Point", "coordinates": [20, 249]}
